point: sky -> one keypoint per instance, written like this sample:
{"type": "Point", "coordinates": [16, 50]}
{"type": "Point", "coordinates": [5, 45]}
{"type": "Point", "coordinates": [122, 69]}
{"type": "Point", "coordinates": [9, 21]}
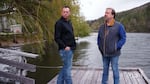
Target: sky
{"type": "Point", "coordinates": [94, 9]}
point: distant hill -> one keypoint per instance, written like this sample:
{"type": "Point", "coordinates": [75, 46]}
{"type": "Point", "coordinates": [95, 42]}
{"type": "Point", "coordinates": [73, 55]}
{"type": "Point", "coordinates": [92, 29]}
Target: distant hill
{"type": "Point", "coordinates": [134, 20]}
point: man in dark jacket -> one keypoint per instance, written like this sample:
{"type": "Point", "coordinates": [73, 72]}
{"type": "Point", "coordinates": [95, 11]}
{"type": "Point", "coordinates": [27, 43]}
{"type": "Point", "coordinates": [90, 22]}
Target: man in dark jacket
{"type": "Point", "coordinates": [64, 37]}
{"type": "Point", "coordinates": [111, 38]}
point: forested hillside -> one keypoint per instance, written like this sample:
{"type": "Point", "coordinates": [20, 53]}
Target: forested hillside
{"type": "Point", "coordinates": [134, 20]}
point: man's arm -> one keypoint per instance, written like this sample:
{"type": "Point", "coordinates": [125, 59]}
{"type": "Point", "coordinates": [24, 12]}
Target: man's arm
{"type": "Point", "coordinates": [57, 35]}
{"type": "Point", "coordinates": [122, 34]}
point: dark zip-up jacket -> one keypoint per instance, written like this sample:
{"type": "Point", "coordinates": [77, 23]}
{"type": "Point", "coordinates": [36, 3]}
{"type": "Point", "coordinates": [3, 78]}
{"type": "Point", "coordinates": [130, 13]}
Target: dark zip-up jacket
{"type": "Point", "coordinates": [64, 35]}
{"type": "Point", "coordinates": [111, 39]}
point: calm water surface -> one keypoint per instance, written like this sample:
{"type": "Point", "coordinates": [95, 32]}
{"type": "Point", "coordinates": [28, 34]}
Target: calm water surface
{"type": "Point", "coordinates": [135, 53]}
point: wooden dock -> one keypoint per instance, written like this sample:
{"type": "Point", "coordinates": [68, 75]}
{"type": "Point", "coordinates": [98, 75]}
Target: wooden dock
{"type": "Point", "coordinates": [17, 76]}
{"type": "Point", "coordinates": [82, 75]}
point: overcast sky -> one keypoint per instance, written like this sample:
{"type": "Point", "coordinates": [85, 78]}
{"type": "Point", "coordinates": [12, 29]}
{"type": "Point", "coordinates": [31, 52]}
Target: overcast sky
{"type": "Point", "coordinates": [94, 9]}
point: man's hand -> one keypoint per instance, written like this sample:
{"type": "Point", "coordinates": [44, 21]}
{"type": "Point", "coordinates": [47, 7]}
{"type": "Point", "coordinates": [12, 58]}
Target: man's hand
{"type": "Point", "coordinates": [67, 48]}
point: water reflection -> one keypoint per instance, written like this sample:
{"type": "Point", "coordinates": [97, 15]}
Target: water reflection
{"type": "Point", "coordinates": [90, 55]}
{"type": "Point", "coordinates": [80, 51]}
{"type": "Point", "coordinates": [44, 62]}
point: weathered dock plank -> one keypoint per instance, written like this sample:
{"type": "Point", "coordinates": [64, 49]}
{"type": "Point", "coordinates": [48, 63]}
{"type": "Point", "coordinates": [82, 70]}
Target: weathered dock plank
{"type": "Point", "coordinates": [20, 65]}
{"type": "Point", "coordinates": [122, 78]}
{"type": "Point", "coordinates": [94, 75]}
{"type": "Point", "coordinates": [126, 78]}
{"type": "Point", "coordinates": [19, 53]}
{"type": "Point", "coordinates": [17, 74]}
{"type": "Point", "coordinates": [21, 79]}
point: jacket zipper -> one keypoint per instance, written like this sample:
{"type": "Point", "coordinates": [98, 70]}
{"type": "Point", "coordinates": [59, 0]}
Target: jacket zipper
{"type": "Point", "coordinates": [104, 39]}
{"type": "Point", "coordinates": [106, 31]}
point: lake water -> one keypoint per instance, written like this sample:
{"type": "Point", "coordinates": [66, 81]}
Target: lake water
{"type": "Point", "coordinates": [135, 53]}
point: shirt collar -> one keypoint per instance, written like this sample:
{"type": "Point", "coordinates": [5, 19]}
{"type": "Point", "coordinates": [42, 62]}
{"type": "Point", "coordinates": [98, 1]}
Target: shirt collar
{"type": "Point", "coordinates": [111, 22]}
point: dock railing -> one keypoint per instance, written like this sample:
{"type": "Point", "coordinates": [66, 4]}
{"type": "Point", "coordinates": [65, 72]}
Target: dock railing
{"type": "Point", "coordinates": [22, 66]}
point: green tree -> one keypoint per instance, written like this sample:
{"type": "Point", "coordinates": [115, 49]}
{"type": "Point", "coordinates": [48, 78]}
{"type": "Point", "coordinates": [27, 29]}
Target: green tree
{"type": "Point", "coordinates": [39, 16]}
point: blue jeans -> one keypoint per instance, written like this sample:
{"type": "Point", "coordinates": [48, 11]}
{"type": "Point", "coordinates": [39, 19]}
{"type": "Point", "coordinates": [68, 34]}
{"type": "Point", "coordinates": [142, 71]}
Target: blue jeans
{"type": "Point", "coordinates": [64, 76]}
{"type": "Point", "coordinates": [114, 64]}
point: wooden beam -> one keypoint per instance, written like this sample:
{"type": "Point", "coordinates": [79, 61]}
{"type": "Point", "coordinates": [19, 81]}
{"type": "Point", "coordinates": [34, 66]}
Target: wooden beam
{"type": "Point", "coordinates": [144, 76]}
{"type": "Point", "coordinates": [101, 68]}
{"type": "Point", "coordinates": [19, 65]}
{"type": "Point", "coordinates": [19, 53]}
{"type": "Point", "coordinates": [21, 79]}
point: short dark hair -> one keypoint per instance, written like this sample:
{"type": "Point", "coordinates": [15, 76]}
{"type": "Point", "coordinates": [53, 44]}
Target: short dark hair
{"type": "Point", "coordinates": [113, 12]}
{"type": "Point", "coordinates": [66, 7]}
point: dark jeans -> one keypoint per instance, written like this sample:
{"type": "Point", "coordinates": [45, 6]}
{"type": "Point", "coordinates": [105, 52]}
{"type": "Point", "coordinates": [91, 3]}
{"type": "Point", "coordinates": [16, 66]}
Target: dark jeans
{"type": "Point", "coordinates": [65, 73]}
{"type": "Point", "coordinates": [114, 64]}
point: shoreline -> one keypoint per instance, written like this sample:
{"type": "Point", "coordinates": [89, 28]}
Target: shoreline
{"type": "Point", "coordinates": [17, 43]}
